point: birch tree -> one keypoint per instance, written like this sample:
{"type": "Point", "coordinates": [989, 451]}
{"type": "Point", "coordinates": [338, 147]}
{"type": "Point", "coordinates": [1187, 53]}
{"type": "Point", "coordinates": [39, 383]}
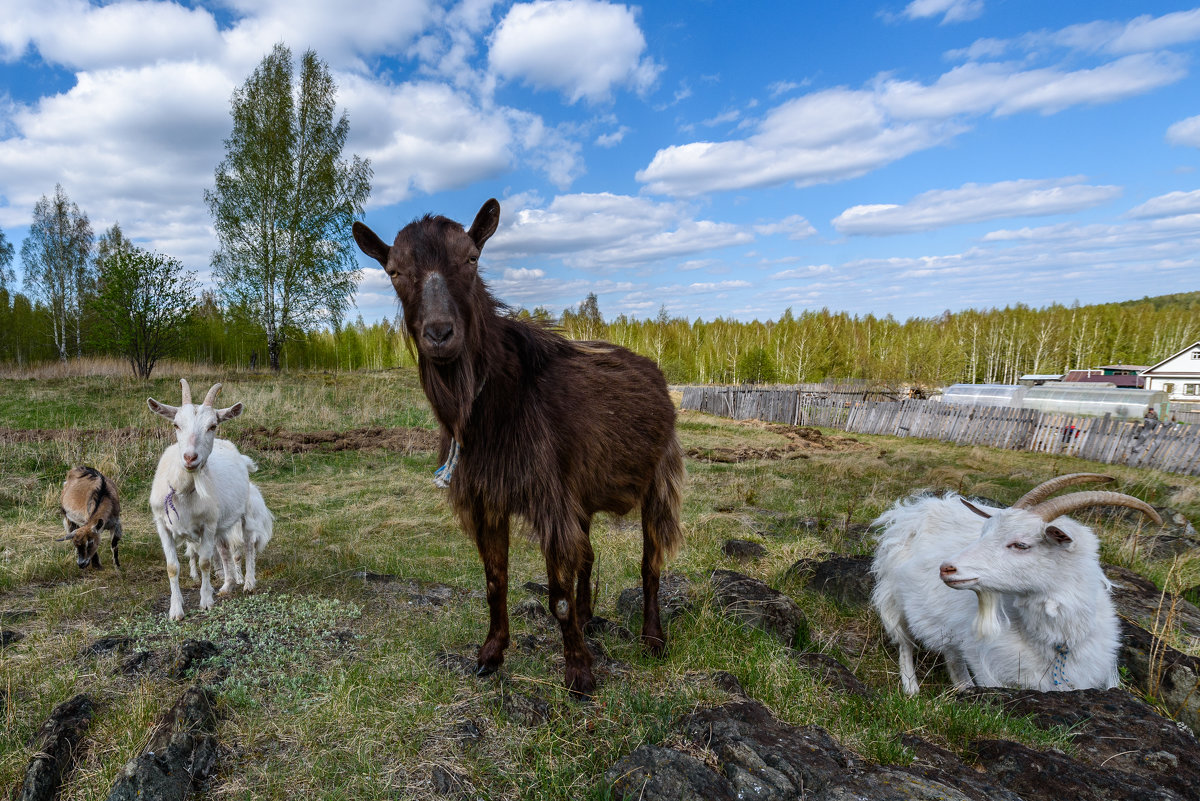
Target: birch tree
{"type": "Point", "coordinates": [285, 199]}
{"type": "Point", "coordinates": [56, 256]}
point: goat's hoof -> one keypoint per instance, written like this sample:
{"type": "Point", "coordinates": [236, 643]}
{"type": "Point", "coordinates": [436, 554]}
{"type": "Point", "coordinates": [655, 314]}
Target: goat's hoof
{"type": "Point", "coordinates": [176, 616]}
{"type": "Point", "coordinates": [657, 646]}
{"type": "Point", "coordinates": [248, 586]}
{"type": "Point", "coordinates": [225, 590]}
{"type": "Point", "coordinates": [581, 685]}
{"type": "Point", "coordinates": [483, 671]}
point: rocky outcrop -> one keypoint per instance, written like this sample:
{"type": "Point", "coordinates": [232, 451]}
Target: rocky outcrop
{"type": "Point", "coordinates": [845, 579]}
{"type": "Point", "coordinates": [180, 756]}
{"type": "Point", "coordinates": [54, 746]}
{"type": "Point", "coordinates": [752, 603]}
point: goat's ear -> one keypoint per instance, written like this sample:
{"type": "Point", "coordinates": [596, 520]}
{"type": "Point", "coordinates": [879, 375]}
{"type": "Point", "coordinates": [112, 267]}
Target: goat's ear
{"type": "Point", "coordinates": [100, 521]}
{"type": "Point", "coordinates": [230, 413]}
{"type": "Point", "coordinates": [371, 244]}
{"type": "Point", "coordinates": [974, 508]}
{"type": "Point", "coordinates": [1058, 535]}
{"type": "Point", "coordinates": [485, 223]}
{"type": "Point", "coordinates": [166, 411]}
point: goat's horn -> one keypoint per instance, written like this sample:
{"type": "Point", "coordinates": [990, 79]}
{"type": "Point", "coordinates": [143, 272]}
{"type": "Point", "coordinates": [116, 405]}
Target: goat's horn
{"type": "Point", "coordinates": [1047, 488]}
{"type": "Point", "coordinates": [187, 391]}
{"type": "Point", "coordinates": [211, 397]}
{"type": "Point", "coordinates": [64, 539]}
{"type": "Point", "coordinates": [1065, 504]}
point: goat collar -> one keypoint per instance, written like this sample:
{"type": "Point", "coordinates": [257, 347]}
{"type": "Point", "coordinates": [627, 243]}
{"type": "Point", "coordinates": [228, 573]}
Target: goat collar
{"type": "Point", "coordinates": [169, 504]}
{"type": "Point", "coordinates": [1058, 668]}
{"type": "Point", "coordinates": [442, 476]}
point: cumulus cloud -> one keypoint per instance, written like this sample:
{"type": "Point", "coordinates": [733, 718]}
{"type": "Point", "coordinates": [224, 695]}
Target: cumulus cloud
{"type": "Point", "coordinates": [836, 134]}
{"type": "Point", "coordinates": [949, 10]}
{"type": "Point", "coordinates": [1171, 204]}
{"type": "Point", "coordinates": [969, 203]}
{"type": "Point", "coordinates": [606, 231]}
{"type": "Point", "coordinates": [581, 48]}
{"type": "Point", "coordinates": [1185, 132]}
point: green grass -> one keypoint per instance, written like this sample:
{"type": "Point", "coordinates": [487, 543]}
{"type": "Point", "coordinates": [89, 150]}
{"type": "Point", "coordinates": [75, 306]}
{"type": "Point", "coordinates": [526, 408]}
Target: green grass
{"type": "Point", "coordinates": [329, 687]}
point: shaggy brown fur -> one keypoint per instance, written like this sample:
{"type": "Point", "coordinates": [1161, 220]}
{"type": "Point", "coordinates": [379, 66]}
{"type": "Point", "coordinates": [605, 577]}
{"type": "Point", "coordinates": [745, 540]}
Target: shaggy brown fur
{"type": "Point", "coordinates": [549, 430]}
{"type": "Point", "coordinates": [89, 505]}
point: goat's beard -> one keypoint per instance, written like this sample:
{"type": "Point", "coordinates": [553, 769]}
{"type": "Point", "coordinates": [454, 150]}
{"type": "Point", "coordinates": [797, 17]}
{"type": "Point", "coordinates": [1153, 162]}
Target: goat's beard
{"type": "Point", "coordinates": [989, 617]}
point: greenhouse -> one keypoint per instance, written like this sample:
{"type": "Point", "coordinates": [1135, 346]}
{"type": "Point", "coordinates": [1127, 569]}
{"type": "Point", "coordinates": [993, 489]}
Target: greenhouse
{"type": "Point", "coordinates": [1096, 400]}
{"type": "Point", "coordinates": [1009, 395]}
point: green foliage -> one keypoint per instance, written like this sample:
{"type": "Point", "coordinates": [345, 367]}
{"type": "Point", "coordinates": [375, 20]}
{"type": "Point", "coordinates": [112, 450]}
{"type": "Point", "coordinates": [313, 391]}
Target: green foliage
{"type": "Point", "coordinates": [756, 367]}
{"type": "Point", "coordinates": [142, 305]}
{"type": "Point", "coordinates": [285, 200]}
{"type": "Point", "coordinates": [7, 276]}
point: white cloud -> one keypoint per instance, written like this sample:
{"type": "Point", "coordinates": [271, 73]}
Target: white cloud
{"type": "Point", "coordinates": [969, 203]}
{"type": "Point", "coordinates": [836, 134]}
{"type": "Point", "coordinates": [795, 226]}
{"type": "Point", "coordinates": [581, 48]}
{"type": "Point", "coordinates": [522, 273]}
{"type": "Point", "coordinates": [1185, 132]}
{"type": "Point", "coordinates": [603, 231]}
{"type": "Point", "coordinates": [613, 138]}
{"type": "Point", "coordinates": [1171, 204]}
{"type": "Point", "coordinates": [950, 10]}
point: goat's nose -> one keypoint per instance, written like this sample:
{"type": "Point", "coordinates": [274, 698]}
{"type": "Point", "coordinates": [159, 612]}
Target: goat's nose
{"type": "Point", "coordinates": [438, 332]}
{"type": "Point", "coordinates": [947, 569]}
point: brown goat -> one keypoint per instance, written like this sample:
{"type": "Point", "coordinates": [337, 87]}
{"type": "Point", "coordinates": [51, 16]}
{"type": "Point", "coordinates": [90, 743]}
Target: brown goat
{"type": "Point", "coordinates": [90, 505]}
{"type": "Point", "coordinates": [537, 426]}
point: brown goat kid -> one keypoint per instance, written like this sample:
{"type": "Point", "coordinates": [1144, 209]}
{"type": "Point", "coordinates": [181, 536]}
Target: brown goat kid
{"type": "Point", "coordinates": [537, 426]}
{"type": "Point", "coordinates": [90, 505]}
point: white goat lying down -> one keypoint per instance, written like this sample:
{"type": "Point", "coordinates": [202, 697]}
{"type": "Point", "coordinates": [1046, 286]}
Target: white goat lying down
{"type": "Point", "coordinates": [1041, 616]}
{"type": "Point", "coordinates": [201, 492]}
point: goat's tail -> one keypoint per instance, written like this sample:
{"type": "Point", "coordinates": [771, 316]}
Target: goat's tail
{"type": "Point", "coordinates": [661, 530]}
{"type": "Point", "coordinates": [251, 467]}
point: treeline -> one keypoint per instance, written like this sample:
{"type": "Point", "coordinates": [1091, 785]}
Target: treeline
{"type": "Point", "coordinates": [996, 345]}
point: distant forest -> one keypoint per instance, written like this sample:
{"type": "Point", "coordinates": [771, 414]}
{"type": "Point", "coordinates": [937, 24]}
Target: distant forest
{"type": "Point", "coordinates": [995, 345]}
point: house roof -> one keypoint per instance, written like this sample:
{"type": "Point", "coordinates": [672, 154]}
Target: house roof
{"type": "Point", "coordinates": [1138, 367]}
{"type": "Point", "coordinates": [1179, 352]}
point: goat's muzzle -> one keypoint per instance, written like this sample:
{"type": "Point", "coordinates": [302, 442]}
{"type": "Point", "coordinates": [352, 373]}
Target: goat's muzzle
{"type": "Point", "coordinates": [949, 575]}
{"type": "Point", "coordinates": [439, 329]}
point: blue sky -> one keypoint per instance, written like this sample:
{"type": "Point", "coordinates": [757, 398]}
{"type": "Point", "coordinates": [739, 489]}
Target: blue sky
{"type": "Point", "coordinates": [723, 159]}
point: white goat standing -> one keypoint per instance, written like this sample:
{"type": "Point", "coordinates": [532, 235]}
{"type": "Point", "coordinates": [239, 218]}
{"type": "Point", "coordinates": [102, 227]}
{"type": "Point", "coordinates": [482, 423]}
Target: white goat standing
{"type": "Point", "coordinates": [200, 490]}
{"type": "Point", "coordinates": [1041, 617]}
{"type": "Point", "coordinates": [244, 541]}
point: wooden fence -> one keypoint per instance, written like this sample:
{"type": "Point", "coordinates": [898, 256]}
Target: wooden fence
{"type": "Point", "coordinates": [1173, 448]}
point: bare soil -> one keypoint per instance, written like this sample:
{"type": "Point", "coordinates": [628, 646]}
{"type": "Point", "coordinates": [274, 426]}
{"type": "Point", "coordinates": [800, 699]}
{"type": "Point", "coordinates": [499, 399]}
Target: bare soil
{"type": "Point", "coordinates": [403, 440]}
{"type": "Point", "coordinates": [799, 442]}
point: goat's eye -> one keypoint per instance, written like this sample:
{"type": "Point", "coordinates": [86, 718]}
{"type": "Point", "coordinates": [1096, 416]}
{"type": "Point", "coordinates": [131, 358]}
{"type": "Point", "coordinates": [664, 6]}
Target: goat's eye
{"type": "Point", "coordinates": [213, 427]}
{"type": "Point", "coordinates": [473, 259]}
{"type": "Point", "coordinates": [1020, 546]}
{"type": "Point", "coordinates": [176, 426]}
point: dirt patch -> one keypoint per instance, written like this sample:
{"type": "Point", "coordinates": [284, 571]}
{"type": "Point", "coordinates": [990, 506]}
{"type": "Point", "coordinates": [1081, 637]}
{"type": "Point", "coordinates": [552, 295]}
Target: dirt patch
{"type": "Point", "coordinates": [11, 436]}
{"type": "Point", "coordinates": [801, 442]}
{"type": "Point", "coordinates": [403, 440]}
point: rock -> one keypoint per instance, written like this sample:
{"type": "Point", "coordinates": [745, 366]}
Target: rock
{"type": "Point", "coordinates": [833, 673]}
{"type": "Point", "coordinates": [937, 764]}
{"type": "Point", "coordinates": [888, 784]}
{"type": "Point", "coordinates": [531, 609]}
{"type": "Point", "coordinates": [180, 756]}
{"type": "Point", "coordinates": [465, 732]}
{"type": "Point", "coordinates": [674, 597]}
{"type": "Point", "coordinates": [8, 637]}
{"type": "Point", "coordinates": [1175, 536]}
{"type": "Point", "coordinates": [1115, 734]}
{"type": "Point", "coordinates": [1140, 600]}
{"type": "Point", "coordinates": [724, 680]}
{"type": "Point", "coordinates": [54, 748]}
{"type": "Point", "coordinates": [652, 773]}
{"type": "Point", "coordinates": [743, 549]}
{"type": "Point", "coordinates": [602, 625]}
{"type": "Point", "coordinates": [845, 579]}
{"type": "Point", "coordinates": [190, 655]}
{"type": "Point", "coordinates": [1052, 775]}
{"type": "Point", "coordinates": [106, 645]}
{"type": "Point", "coordinates": [528, 710]}
{"type": "Point", "coordinates": [1159, 671]}
{"type": "Point", "coordinates": [373, 578]}
{"type": "Point", "coordinates": [418, 593]}
{"type": "Point", "coordinates": [752, 603]}
{"type": "Point", "coordinates": [536, 588]}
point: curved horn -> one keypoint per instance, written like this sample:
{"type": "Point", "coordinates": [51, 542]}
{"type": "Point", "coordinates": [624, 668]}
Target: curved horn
{"type": "Point", "coordinates": [1047, 488]}
{"type": "Point", "coordinates": [211, 397]}
{"type": "Point", "coordinates": [187, 391]}
{"type": "Point", "coordinates": [1065, 504]}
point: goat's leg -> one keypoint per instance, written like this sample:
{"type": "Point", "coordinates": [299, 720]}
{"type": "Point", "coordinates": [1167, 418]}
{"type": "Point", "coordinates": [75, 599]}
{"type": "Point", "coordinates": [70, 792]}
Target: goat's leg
{"type": "Point", "coordinates": [191, 555]}
{"type": "Point", "coordinates": [492, 541]}
{"type": "Point", "coordinates": [251, 550]}
{"type": "Point", "coordinates": [561, 540]}
{"type": "Point", "coordinates": [204, 560]}
{"type": "Point", "coordinates": [956, 666]}
{"type": "Point", "coordinates": [116, 541]}
{"type": "Point", "coordinates": [228, 566]}
{"type": "Point", "coordinates": [172, 557]}
{"type": "Point", "coordinates": [583, 582]}
{"type": "Point", "coordinates": [908, 668]}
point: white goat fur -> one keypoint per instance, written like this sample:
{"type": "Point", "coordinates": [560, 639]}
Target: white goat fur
{"type": "Point", "coordinates": [1042, 619]}
{"type": "Point", "coordinates": [257, 526]}
{"type": "Point", "coordinates": [200, 490]}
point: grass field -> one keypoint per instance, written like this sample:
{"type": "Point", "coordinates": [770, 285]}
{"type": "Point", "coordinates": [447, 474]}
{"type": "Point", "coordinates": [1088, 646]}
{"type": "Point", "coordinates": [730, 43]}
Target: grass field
{"type": "Point", "coordinates": [330, 686]}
